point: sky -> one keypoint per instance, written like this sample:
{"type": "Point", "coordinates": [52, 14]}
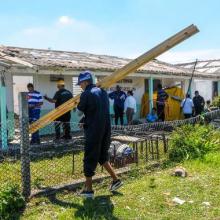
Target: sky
{"type": "Point", "coordinates": [125, 28]}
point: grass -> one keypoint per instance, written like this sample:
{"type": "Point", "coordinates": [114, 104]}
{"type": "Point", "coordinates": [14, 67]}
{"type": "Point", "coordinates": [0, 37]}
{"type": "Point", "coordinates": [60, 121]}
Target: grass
{"type": "Point", "coordinates": [146, 194]}
{"type": "Point", "coordinates": [48, 172]}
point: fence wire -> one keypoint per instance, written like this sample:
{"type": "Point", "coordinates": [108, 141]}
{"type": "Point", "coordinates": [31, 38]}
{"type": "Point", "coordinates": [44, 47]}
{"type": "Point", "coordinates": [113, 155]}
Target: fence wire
{"type": "Point", "coordinates": [10, 165]}
{"type": "Point", "coordinates": [55, 161]}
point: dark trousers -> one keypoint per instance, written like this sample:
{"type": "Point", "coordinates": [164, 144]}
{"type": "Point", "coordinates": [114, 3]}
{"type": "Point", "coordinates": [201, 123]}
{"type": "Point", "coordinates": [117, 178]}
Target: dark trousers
{"type": "Point", "coordinates": [187, 116]}
{"type": "Point", "coordinates": [119, 113]}
{"type": "Point", "coordinates": [129, 114]}
{"type": "Point", "coordinates": [198, 111]}
{"type": "Point", "coordinates": [63, 121]}
{"type": "Point", "coordinates": [97, 145]}
{"type": "Point", "coordinates": [161, 112]}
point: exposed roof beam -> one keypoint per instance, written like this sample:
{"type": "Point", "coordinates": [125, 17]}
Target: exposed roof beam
{"type": "Point", "coordinates": [15, 60]}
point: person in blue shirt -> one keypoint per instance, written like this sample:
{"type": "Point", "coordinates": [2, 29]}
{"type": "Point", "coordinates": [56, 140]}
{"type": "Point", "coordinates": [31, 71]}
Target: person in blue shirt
{"type": "Point", "coordinates": [94, 105]}
{"type": "Point", "coordinates": [119, 98]}
{"type": "Point", "coordinates": [152, 117]}
{"type": "Point", "coordinates": [35, 101]}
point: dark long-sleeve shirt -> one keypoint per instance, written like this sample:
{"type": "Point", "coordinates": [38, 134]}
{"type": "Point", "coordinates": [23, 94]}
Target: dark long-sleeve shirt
{"type": "Point", "coordinates": [94, 103]}
{"type": "Point", "coordinates": [199, 104]}
{"type": "Point", "coordinates": [161, 97]}
{"type": "Point", "coordinates": [118, 97]}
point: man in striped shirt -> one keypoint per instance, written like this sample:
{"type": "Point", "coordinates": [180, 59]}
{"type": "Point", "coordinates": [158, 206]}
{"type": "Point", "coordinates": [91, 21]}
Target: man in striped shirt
{"type": "Point", "coordinates": [35, 101]}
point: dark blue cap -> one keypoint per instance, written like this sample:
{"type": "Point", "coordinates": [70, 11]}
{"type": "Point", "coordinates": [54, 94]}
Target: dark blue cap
{"type": "Point", "coordinates": [86, 75]}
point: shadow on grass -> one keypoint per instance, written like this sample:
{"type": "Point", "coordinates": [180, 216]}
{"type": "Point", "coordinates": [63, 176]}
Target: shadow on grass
{"type": "Point", "coordinates": [100, 207]}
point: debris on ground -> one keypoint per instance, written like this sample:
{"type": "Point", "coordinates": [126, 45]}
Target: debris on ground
{"type": "Point", "coordinates": [206, 203]}
{"type": "Point", "coordinates": [180, 171]}
{"type": "Point", "coordinates": [178, 201]}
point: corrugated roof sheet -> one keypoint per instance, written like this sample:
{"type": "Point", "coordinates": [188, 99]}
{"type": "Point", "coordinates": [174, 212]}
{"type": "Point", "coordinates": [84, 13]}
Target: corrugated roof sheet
{"type": "Point", "coordinates": [211, 67]}
{"type": "Point", "coordinates": [51, 59]}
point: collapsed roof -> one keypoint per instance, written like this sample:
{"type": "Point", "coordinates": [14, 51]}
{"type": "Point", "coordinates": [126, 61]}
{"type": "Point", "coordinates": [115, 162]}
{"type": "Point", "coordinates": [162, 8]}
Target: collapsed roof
{"type": "Point", "coordinates": [206, 67]}
{"type": "Point", "coordinates": [53, 59]}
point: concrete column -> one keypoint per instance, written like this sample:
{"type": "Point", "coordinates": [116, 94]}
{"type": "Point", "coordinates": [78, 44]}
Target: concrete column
{"type": "Point", "coordinates": [10, 104]}
{"type": "Point", "coordinates": [3, 109]}
{"type": "Point", "coordinates": [151, 87]}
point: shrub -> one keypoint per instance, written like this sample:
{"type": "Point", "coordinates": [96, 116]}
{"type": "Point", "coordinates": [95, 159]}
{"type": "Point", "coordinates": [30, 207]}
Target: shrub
{"type": "Point", "coordinates": [11, 202]}
{"type": "Point", "coordinates": [216, 101]}
{"type": "Point", "coordinates": [190, 142]}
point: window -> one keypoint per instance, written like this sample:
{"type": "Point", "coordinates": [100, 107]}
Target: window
{"type": "Point", "coordinates": [76, 89]}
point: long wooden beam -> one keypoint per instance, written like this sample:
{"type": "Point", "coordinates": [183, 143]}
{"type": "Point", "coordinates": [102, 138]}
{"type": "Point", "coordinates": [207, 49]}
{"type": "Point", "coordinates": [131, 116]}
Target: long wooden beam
{"type": "Point", "coordinates": [118, 75]}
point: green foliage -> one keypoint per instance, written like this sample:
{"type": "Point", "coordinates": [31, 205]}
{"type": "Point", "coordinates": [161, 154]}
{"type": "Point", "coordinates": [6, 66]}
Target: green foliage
{"type": "Point", "coordinates": [11, 202]}
{"type": "Point", "coordinates": [216, 101]}
{"type": "Point", "coordinates": [190, 142]}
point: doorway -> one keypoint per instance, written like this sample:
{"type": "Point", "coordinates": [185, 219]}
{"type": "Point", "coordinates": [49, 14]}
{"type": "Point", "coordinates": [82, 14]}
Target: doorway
{"type": "Point", "coordinates": [20, 85]}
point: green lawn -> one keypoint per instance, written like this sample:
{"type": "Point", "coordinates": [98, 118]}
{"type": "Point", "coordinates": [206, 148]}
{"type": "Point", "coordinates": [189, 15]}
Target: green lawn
{"type": "Point", "coordinates": [50, 172]}
{"type": "Point", "coordinates": [146, 194]}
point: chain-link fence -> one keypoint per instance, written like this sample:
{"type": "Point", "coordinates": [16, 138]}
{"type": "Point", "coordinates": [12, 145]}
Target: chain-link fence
{"type": "Point", "coordinates": [10, 166]}
{"type": "Point", "coordinates": [56, 157]}
{"type": "Point", "coordinates": [53, 162]}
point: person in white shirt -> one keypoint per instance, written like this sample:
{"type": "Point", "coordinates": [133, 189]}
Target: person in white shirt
{"type": "Point", "coordinates": [187, 106]}
{"type": "Point", "coordinates": [130, 106]}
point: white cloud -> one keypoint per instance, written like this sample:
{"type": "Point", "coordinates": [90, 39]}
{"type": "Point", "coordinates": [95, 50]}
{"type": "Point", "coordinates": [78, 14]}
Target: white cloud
{"type": "Point", "coordinates": [68, 33]}
{"type": "Point", "coordinates": [65, 20]}
{"type": "Point", "coordinates": [34, 31]}
{"type": "Point", "coordinates": [189, 56]}
{"type": "Point", "coordinates": [65, 33]}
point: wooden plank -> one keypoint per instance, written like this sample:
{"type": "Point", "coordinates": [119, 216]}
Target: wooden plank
{"type": "Point", "coordinates": [126, 138]}
{"type": "Point", "coordinates": [118, 75]}
{"type": "Point", "coordinates": [15, 60]}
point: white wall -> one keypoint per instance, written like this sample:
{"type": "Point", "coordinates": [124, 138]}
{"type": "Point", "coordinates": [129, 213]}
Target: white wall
{"type": "Point", "coordinates": [204, 87]}
{"type": "Point", "coordinates": [9, 92]}
{"type": "Point", "coordinates": [19, 85]}
{"type": "Point", "coordinates": [45, 86]}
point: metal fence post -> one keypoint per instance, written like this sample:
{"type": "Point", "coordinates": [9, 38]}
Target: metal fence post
{"type": "Point", "coordinates": [25, 158]}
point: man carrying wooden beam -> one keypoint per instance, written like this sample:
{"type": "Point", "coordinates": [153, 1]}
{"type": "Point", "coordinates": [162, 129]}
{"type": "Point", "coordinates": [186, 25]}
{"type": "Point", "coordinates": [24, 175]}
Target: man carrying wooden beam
{"type": "Point", "coordinates": [94, 104]}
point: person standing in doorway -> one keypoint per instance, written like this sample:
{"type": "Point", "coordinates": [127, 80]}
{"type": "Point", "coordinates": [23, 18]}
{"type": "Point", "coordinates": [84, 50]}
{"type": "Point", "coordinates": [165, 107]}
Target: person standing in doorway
{"type": "Point", "coordinates": [187, 106]}
{"type": "Point", "coordinates": [60, 97]}
{"type": "Point", "coordinates": [130, 106]}
{"type": "Point", "coordinates": [94, 105]}
{"type": "Point", "coordinates": [119, 98]}
{"type": "Point", "coordinates": [199, 103]}
{"type": "Point", "coordinates": [35, 101]}
{"type": "Point", "coordinates": [162, 96]}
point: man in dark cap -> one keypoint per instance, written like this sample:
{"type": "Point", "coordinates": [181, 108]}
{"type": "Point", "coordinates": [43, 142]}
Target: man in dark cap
{"type": "Point", "coordinates": [94, 105]}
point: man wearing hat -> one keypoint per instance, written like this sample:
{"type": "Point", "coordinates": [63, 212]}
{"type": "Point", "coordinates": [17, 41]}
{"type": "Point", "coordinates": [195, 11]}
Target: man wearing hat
{"type": "Point", "coordinates": [60, 97]}
{"type": "Point", "coordinates": [94, 105]}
